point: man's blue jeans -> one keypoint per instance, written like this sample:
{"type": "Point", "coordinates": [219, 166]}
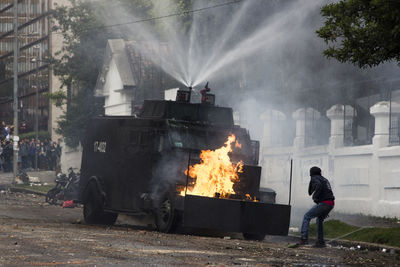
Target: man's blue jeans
{"type": "Point", "coordinates": [319, 211]}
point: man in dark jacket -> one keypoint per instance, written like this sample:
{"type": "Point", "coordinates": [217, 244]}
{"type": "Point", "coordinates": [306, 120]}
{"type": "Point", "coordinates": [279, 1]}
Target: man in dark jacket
{"type": "Point", "coordinates": [322, 194]}
{"type": "Point", "coordinates": [24, 152]}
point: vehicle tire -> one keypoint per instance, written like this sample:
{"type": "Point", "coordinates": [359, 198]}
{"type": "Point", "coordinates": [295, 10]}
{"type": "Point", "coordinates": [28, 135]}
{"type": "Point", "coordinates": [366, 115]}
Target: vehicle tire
{"type": "Point", "coordinates": [93, 212]}
{"type": "Point", "coordinates": [92, 206]}
{"type": "Point", "coordinates": [165, 215]}
{"type": "Point", "coordinates": [109, 218]}
{"type": "Point", "coordinates": [51, 196]}
{"type": "Point", "coordinates": [258, 237]}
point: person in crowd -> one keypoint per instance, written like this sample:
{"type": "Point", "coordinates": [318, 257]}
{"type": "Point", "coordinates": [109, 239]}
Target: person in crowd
{"type": "Point", "coordinates": [58, 156]}
{"type": "Point", "coordinates": [5, 131]}
{"type": "Point", "coordinates": [32, 153]}
{"type": "Point", "coordinates": [48, 154]}
{"type": "Point", "coordinates": [47, 145]}
{"type": "Point", "coordinates": [53, 156]}
{"type": "Point", "coordinates": [41, 151]}
{"type": "Point", "coordinates": [8, 156]}
{"type": "Point", "coordinates": [19, 159]}
{"type": "Point", "coordinates": [321, 191]}
{"type": "Point", "coordinates": [22, 127]}
{"type": "Point", "coordinates": [10, 132]}
{"type": "Point", "coordinates": [1, 155]}
{"type": "Point", "coordinates": [24, 153]}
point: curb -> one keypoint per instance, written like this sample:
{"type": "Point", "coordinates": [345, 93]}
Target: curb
{"type": "Point", "coordinates": [364, 245]}
{"type": "Point", "coordinates": [27, 191]}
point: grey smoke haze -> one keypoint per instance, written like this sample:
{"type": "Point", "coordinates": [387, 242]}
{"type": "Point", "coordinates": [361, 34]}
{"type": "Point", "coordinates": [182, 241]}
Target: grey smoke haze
{"type": "Point", "coordinates": [249, 52]}
{"type": "Point", "coordinates": [218, 38]}
{"type": "Point", "coordinates": [245, 50]}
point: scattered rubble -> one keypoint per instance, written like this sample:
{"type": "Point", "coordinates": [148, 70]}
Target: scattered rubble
{"type": "Point", "coordinates": [49, 235]}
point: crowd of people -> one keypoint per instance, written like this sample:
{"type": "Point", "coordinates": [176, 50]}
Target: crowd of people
{"type": "Point", "coordinates": [32, 154]}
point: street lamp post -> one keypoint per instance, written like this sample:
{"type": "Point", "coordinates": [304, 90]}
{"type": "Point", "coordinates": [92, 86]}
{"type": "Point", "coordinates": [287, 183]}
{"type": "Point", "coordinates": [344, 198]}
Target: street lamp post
{"type": "Point", "coordinates": [36, 61]}
{"type": "Point", "coordinates": [15, 91]}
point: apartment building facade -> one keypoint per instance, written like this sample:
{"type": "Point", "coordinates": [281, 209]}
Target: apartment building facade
{"type": "Point", "coordinates": [36, 45]}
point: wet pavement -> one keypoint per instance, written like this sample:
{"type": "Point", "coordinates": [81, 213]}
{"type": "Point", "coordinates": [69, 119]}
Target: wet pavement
{"type": "Point", "coordinates": [33, 233]}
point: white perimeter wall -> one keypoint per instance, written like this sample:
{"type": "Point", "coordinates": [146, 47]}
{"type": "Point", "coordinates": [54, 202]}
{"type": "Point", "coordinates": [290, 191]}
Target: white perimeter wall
{"type": "Point", "coordinates": [365, 179]}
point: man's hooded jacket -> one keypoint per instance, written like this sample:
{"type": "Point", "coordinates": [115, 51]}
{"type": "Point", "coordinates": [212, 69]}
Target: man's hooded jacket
{"type": "Point", "coordinates": [320, 187]}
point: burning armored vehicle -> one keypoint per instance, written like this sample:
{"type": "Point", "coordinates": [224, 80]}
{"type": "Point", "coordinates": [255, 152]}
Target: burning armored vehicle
{"type": "Point", "coordinates": [186, 163]}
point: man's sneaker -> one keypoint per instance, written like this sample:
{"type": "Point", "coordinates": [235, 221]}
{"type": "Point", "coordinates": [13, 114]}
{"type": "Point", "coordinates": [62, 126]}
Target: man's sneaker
{"type": "Point", "coordinates": [303, 242]}
{"type": "Point", "coordinates": [319, 245]}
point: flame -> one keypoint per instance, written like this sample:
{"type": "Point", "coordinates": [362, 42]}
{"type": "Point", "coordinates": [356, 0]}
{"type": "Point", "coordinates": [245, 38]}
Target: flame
{"type": "Point", "coordinates": [215, 174]}
{"type": "Point", "coordinates": [248, 197]}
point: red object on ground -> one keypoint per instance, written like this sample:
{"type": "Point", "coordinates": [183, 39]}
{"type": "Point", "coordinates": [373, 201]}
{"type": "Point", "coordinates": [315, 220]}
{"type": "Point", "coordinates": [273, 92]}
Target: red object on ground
{"type": "Point", "coordinates": [68, 204]}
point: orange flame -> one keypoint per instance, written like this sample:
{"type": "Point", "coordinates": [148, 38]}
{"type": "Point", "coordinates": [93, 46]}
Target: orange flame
{"type": "Point", "coordinates": [215, 174]}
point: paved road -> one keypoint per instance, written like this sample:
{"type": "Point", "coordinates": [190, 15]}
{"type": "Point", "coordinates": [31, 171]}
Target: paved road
{"type": "Point", "coordinates": [33, 233]}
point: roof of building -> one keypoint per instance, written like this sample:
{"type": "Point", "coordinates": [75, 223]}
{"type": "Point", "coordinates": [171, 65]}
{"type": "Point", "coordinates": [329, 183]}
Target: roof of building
{"type": "Point", "coordinates": [134, 62]}
{"type": "Point", "coordinates": [119, 52]}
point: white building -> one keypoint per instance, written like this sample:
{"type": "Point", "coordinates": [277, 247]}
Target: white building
{"type": "Point", "coordinates": [129, 76]}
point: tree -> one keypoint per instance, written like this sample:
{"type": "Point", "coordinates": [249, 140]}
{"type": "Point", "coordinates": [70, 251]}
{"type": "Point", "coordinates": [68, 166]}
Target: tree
{"type": "Point", "coordinates": [363, 32]}
{"type": "Point", "coordinates": [84, 26]}
{"type": "Point", "coordinates": [78, 62]}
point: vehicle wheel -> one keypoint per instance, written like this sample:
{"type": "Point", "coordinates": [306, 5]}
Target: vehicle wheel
{"type": "Point", "coordinates": [258, 237]}
{"type": "Point", "coordinates": [165, 215]}
{"type": "Point", "coordinates": [51, 196]}
{"type": "Point", "coordinates": [93, 209]}
{"type": "Point", "coordinates": [109, 218]}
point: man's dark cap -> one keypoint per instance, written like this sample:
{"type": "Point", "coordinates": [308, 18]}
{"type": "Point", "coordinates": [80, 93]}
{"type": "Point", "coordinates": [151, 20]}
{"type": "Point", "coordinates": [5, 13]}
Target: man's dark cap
{"type": "Point", "coordinates": [315, 171]}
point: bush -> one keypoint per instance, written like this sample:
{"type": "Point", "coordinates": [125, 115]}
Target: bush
{"type": "Point", "coordinates": [42, 135]}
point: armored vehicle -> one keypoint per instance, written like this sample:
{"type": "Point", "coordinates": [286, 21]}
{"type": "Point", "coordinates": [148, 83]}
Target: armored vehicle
{"type": "Point", "coordinates": [141, 165]}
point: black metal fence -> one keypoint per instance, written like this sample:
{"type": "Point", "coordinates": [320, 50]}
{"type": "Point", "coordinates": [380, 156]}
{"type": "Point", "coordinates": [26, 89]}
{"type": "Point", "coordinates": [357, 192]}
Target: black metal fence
{"type": "Point", "coordinates": [394, 130]}
{"type": "Point", "coordinates": [394, 117]}
{"type": "Point", "coordinates": [317, 128]}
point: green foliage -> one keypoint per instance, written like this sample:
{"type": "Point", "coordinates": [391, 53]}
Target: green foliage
{"type": "Point", "coordinates": [386, 236]}
{"type": "Point", "coordinates": [363, 32]}
{"type": "Point", "coordinates": [84, 27]}
{"type": "Point", "coordinates": [335, 228]}
{"type": "Point", "coordinates": [79, 61]}
{"type": "Point", "coordinates": [58, 98]}
{"type": "Point", "coordinates": [72, 124]}
{"type": "Point", "coordinates": [41, 134]}
{"type": "Point", "coordinates": [43, 189]}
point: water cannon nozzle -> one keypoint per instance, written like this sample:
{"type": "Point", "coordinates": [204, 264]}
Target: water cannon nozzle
{"type": "Point", "coordinates": [205, 97]}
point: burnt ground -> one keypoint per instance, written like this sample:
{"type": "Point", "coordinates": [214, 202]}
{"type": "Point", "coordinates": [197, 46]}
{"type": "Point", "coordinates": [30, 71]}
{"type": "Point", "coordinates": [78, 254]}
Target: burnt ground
{"type": "Point", "coordinates": [33, 233]}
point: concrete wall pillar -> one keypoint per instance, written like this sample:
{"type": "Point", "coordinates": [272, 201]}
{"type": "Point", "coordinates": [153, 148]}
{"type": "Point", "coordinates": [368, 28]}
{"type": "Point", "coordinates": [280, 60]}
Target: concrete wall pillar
{"type": "Point", "coordinates": [337, 116]}
{"type": "Point", "coordinates": [299, 117]}
{"type": "Point", "coordinates": [271, 119]}
{"type": "Point", "coordinates": [381, 112]}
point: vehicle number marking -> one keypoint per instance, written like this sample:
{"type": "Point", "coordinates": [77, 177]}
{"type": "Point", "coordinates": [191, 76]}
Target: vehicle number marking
{"type": "Point", "coordinates": [100, 146]}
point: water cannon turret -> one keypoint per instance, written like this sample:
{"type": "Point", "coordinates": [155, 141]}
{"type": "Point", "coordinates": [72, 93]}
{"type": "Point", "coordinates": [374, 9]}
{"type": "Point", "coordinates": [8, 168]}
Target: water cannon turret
{"type": "Point", "coordinates": [184, 95]}
{"type": "Point", "coordinates": [207, 98]}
